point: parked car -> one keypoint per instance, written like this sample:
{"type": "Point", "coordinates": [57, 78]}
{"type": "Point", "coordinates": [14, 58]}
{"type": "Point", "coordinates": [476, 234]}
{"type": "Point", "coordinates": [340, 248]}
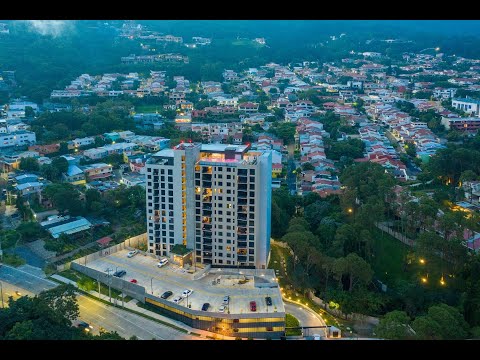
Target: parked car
{"type": "Point", "coordinates": [253, 306]}
{"type": "Point", "coordinates": [119, 273]}
{"type": "Point", "coordinates": [222, 308]}
{"type": "Point", "coordinates": [162, 262]}
{"type": "Point", "coordinates": [205, 306]}
{"type": "Point", "coordinates": [178, 299]}
{"type": "Point", "coordinates": [166, 294]}
{"type": "Point", "coordinates": [132, 253]}
{"type": "Point", "coordinates": [187, 292]}
{"type": "Point", "coordinates": [317, 337]}
{"type": "Point", "coordinates": [268, 300]}
{"type": "Point", "coordinates": [134, 281]}
{"type": "Point", "coordinates": [226, 300]}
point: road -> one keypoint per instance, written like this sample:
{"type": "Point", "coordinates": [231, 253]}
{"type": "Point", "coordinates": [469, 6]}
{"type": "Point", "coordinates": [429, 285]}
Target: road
{"type": "Point", "coordinates": [124, 323]}
{"type": "Point", "coordinates": [29, 281]}
{"type": "Point", "coordinates": [26, 277]}
{"type": "Point", "coordinates": [306, 317]}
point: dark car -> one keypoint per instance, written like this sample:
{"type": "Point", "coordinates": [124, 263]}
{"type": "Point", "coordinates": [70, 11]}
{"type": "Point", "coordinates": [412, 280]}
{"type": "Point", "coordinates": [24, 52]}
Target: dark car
{"type": "Point", "coordinates": [253, 306]}
{"type": "Point", "coordinates": [119, 273]}
{"type": "Point", "coordinates": [166, 294]}
{"type": "Point", "coordinates": [84, 325]}
{"type": "Point", "coordinates": [205, 306]}
{"type": "Point", "coordinates": [268, 300]}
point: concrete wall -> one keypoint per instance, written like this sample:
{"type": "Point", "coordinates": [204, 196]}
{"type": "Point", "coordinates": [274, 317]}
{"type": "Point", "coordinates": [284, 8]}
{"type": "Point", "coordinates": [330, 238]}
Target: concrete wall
{"type": "Point", "coordinates": [134, 290]}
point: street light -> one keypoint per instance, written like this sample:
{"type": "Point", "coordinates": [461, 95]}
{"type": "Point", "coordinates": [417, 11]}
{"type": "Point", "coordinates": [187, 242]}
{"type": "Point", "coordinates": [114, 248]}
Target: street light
{"type": "Point", "coordinates": [422, 261]}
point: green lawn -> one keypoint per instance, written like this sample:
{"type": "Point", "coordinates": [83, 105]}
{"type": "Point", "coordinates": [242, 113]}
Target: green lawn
{"type": "Point", "coordinates": [388, 264]}
{"type": "Point", "coordinates": [148, 108]}
{"type": "Point", "coordinates": [292, 321]}
{"type": "Point", "coordinates": [87, 283]}
{"type": "Point", "coordinates": [389, 257]}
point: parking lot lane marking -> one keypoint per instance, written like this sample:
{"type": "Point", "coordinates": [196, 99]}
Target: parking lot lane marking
{"type": "Point", "coordinates": [100, 316]}
{"type": "Point", "coordinates": [28, 282]}
{"type": "Point", "coordinates": [120, 327]}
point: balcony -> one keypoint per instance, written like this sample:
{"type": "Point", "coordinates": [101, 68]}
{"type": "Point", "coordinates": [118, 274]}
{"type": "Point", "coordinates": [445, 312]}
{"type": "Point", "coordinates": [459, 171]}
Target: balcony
{"type": "Point", "coordinates": [242, 244]}
{"type": "Point", "coordinates": [242, 194]}
{"type": "Point", "coordinates": [242, 238]}
{"type": "Point", "coordinates": [242, 222]}
{"type": "Point", "coordinates": [242, 209]}
{"type": "Point", "coordinates": [207, 247]}
{"type": "Point", "coordinates": [207, 212]}
{"type": "Point", "coordinates": [242, 201]}
{"type": "Point", "coordinates": [207, 207]}
{"type": "Point", "coordinates": [242, 179]}
{"type": "Point", "coordinates": [241, 230]}
{"type": "Point", "coordinates": [207, 177]}
{"type": "Point", "coordinates": [242, 187]}
{"type": "Point", "coordinates": [242, 217]}
{"type": "Point", "coordinates": [207, 227]}
{"type": "Point", "coordinates": [241, 258]}
{"type": "Point", "coordinates": [207, 241]}
{"type": "Point", "coordinates": [208, 199]}
{"type": "Point", "coordinates": [207, 233]}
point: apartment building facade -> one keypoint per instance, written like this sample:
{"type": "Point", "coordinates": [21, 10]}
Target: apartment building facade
{"type": "Point", "coordinates": [214, 199]}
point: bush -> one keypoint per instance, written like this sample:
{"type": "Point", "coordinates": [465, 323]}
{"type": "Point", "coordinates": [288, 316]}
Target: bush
{"type": "Point", "coordinates": [13, 260]}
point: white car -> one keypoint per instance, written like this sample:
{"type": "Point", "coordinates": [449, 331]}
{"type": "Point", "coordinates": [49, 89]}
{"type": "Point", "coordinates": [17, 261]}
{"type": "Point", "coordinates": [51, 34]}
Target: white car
{"type": "Point", "coordinates": [177, 299]}
{"type": "Point", "coordinates": [317, 337]}
{"type": "Point", "coordinates": [187, 292]}
{"type": "Point", "coordinates": [162, 262]}
{"type": "Point", "coordinates": [222, 308]}
{"type": "Point", "coordinates": [132, 253]}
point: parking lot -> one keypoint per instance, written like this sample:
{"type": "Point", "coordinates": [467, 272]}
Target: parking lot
{"type": "Point", "coordinates": [176, 279]}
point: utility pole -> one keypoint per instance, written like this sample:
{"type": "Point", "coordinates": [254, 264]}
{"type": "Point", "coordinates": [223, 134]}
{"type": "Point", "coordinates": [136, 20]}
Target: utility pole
{"type": "Point", "coordinates": [151, 284]}
{"type": "Point", "coordinates": [1, 294]}
{"type": "Point", "coordinates": [122, 295]}
{"type": "Point", "coordinates": [109, 283]}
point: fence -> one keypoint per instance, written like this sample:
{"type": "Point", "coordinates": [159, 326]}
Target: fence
{"type": "Point", "coordinates": [129, 244]}
{"type": "Point", "coordinates": [395, 234]}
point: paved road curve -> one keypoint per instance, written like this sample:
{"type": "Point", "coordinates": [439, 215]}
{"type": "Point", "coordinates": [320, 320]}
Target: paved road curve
{"type": "Point", "coordinates": [306, 317]}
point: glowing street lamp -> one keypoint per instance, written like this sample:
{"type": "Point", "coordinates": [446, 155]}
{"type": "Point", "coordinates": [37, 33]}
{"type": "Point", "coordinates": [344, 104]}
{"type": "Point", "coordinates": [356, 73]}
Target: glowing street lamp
{"type": "Point", "coordinates": [442, 281]}
{"type": "Point", "coordinates": [422, 261]}
{"type": "Point", "coordinates": [350, 210]}
{"type": "Point", "coordinates": [424, 280]}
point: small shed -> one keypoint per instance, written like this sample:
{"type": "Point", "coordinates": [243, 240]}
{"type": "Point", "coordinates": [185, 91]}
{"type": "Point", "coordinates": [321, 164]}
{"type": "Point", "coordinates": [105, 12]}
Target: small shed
{"type": "Point", "coordinates": [105, 241]}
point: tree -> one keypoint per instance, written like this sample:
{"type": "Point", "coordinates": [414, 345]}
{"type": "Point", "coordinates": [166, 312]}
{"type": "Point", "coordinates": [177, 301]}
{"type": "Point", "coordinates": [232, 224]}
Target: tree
{"type": "Point", "coordinates": [315, 212]}
{"type": "Point", "coordinates": [61, 164]}
{"type": "Point", "coordinates": [29, 112]}
{"type": "Point", "coordinates": [442, 322]}
{"type": "Point", "coordinates": [411, 150]}
{"type": "Point", "coordinates": [62, 300]}
{"type": "Point", "coordinates": [356, 270]}
{"type": "Point", "coordinates": [30, 231]}
{"type": "Point", "coordinates": [395, 325]}
{"type": "Point", "coordinates": [307, 166]}
{"type": "Point", "coordinates": [29, 164]}
{"type": "Point", "coordinates": [65, 197]}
